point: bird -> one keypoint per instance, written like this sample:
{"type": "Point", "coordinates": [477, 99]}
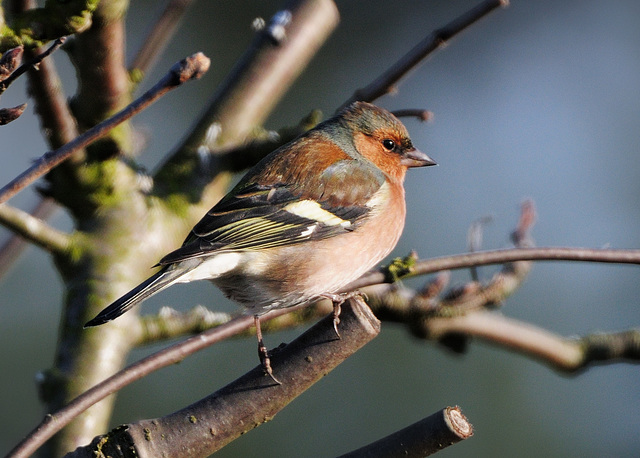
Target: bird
{"type": "Point", "coordinates": [304, 222]}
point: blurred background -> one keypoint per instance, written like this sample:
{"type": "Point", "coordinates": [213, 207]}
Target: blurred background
{"type": "Point", "coordinates": [540, 100]}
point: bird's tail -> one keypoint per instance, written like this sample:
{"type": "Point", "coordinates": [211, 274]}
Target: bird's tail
{"type": "Point", "coordinates": [152, 285]}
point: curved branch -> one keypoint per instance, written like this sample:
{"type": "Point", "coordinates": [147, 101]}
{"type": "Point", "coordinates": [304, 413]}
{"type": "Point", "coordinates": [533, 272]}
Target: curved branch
{"type": "Point", "coordinates": [192, 67]}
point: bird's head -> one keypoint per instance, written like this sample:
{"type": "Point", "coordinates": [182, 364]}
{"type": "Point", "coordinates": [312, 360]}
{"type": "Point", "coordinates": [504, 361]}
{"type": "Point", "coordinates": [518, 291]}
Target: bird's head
{"type": "Point", "coordinates": [382, 139]}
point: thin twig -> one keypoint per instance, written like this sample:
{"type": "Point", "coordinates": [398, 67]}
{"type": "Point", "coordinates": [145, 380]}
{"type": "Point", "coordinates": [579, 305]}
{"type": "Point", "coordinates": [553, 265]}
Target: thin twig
{"type": "Point", "coordinates": [482, 258]}
{"type": "Point", "coordinates": [33, 63]}
{"type": "Point", "coordinates": [387, 81]}
{"type": "Point", "coordinates": [160, 36]}
{"type": "Point", "coordinates": [190, 68]}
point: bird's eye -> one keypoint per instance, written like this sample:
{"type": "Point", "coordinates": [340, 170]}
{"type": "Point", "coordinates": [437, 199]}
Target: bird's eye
{"type": "Point", "coordinates": [388, 144]}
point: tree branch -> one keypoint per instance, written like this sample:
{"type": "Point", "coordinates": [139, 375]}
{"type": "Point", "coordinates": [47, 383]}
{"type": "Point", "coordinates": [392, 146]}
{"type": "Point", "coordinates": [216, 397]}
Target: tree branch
{"type": "Point", "coordinates": [299, 365]}
{"type": "Point", "coordinates": [169, 323]}
{"type": "Point", "coordinates": [419, 113]}
{"type": "Point", "coordinates": [474, 323]}
{"type": "Point", "coordinates": [483, 258]}
{"type": "Point", "coordinates": [160, 36]}
{"type": "Point", "coordinates": [10, 251]}
{"type": "Point", "coordinates": [244, 100]}
{"type": "Point", "coordinates": [426, 437]}
{"type": "Point", "coordinates": [565, 354]}
{"type": "Point", "coordinates": [57, 124]}
{"type": "Point", "coordinates": [33, 63]}
{"type": "Point", "coordinates": [33, 229]}
{"type": "Point", "coordinates": [386, 82]}
{"type": "Point", "coordinates": [192, 67]}
{"type": "Point", "coordinates": [99, 58]}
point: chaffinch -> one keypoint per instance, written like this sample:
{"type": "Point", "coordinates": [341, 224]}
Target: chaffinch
{"type": "Point", "coordinates": [308, 219]}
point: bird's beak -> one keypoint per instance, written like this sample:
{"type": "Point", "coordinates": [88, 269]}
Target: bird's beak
{"type": "Point", "coordinates": [416, 158]}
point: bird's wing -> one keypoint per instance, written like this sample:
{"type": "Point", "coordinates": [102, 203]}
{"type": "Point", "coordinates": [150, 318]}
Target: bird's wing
{"type": "Point", "coordinates": [292, 209]}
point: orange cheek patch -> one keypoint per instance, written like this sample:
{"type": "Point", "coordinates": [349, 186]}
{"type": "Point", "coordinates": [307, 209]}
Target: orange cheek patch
{"type": "Point", "coordinates": [373, 150]}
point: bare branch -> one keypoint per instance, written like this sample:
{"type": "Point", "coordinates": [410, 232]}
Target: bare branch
{"type": "Point", "coordinates": [190, 68]}
{"type": "Point", "coordinates": [426, 437]}
{"type": "Point", "coordinates": [10, 251]}
{"type": "Point", "coordinates": [59, 127]}
{"type": "Point", "coordinates": [209, 424]}
{"type": "Point", "coordinates": [58, 124]}
{"type": "Point", "coordinates": [160, 35]}
{"type": "Point", "coordinates": [244, 100]}
{"type": "Point", "coordinates": [482, 258]}
{"type": "Point", "coordinates": [419, 113]}
{"type": "Point", "coordinates": [33, 63]}
{"type": "Point", "coordinates": [387, 81]}
{"type": "Point", "coordinates": [317, 351]}
{"type": "Point", "coordinates": [33, 229]}
{"type": "Point", "coordinates": [566, 354]}
{"type": "Point", "coordinates": [169, 323]}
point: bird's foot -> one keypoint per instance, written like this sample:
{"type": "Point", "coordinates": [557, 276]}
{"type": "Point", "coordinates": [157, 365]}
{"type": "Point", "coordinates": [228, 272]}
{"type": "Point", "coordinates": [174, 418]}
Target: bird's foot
{"type": "Point", "coordinates": [338, 300]}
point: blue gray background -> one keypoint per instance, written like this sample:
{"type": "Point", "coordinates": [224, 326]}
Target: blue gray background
{"type": "Point", "coordinates": [541, 101]}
